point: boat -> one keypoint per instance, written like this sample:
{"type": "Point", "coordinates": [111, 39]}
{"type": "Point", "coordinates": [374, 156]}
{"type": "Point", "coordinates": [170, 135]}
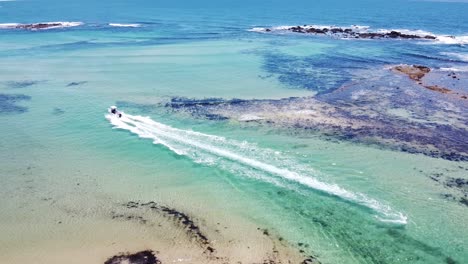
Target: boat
{"type": "Point", "coordinates": [113, 110]}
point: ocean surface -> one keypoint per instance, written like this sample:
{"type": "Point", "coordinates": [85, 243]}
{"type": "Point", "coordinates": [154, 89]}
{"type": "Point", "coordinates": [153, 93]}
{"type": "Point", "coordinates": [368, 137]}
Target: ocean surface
{"type": "Point", "coordinates": [66, 169]}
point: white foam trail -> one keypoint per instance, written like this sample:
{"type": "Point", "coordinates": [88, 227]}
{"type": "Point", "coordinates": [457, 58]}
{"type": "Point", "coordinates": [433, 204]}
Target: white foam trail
{"type": "Point", "coordinates": [124, 25]}
{"type": "Point", "coordinates": [214, 150]}
{"type": "Point", "coordinates": [452, 40]}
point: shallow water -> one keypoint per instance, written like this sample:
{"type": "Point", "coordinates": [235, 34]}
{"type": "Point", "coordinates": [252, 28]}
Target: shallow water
{"type": "Point", "coordinates": [65, 171]}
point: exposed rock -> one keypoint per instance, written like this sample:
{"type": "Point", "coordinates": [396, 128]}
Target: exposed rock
{"type": "Point", "coordinates": [351, 33]}
{"type": "Point", "coordinates": [38, 25]}
{"type": "Point", "coordinates": [415, 72]}
{"type": "Point", "coordinates": [41, 26]}
{"type": "Point", "coordinates": [142, 257]}
{"type": "Point", "coordinates": [438, 89]}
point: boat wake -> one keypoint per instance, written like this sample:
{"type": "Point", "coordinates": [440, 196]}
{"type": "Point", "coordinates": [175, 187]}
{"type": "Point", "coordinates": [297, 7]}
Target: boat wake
{"type": "Point", "coordinates": [246, 159]}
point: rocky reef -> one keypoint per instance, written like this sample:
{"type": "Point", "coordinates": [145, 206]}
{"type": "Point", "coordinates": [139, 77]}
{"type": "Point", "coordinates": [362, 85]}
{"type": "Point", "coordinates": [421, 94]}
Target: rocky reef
{"type": "Point", "coordinates": [351, 32]}
{"type": "Point", "coordinates": [40, 26]}
{"type": "Point", "coordinates": [392, 112]}
{"type": "Point", "coordinates": [417, 73]}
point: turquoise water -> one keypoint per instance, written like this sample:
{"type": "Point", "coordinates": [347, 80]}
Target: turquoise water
{"type": "Point", "coordinates": [62, 161]}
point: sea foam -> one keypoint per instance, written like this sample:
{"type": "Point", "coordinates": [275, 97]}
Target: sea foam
{"type": "Point", "coordinates": [243, 158]}
{"type": "Point", "coordinates": [458, 56]}
{"type": "Point", "coordinates": [124, 25]}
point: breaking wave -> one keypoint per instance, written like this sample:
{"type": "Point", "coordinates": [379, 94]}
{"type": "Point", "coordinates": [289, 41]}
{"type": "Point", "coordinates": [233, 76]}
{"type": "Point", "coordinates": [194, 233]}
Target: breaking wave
{"type": "Point", "coordinates": [243, 158]}
{"type": "Point", "coordinates": [458, 56]}
{"type": "Point", "coordinates": [124, 25]}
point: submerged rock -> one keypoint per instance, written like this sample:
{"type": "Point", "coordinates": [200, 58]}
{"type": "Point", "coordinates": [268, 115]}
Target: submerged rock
{"type": "Point", "coordinates": [76, 83]}
{"type": "Point", "coordinates": [142, 257]}
{"type": "Point", "coordinates": [192, 229]}
{"type": "Point", "coordinates": [8, 103]}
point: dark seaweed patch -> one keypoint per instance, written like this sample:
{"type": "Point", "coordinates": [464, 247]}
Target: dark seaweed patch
{"type": "Point", "coordinates": [183, 102]}
{"type": "Point", "coordinates": [8, 103]}
{"type": "Point", "coordinates": [142, 257]}
{"type": "Point", "coordinates": [464, 201]}
{"type": "Point", "coordinates": [145, 108]}
{"type": "Point", "coordinates": [58, 111]}
{"type": "Point", "coordinates": [136, 218]}
{"type": "Point", "coordinates": [458, 184]}
{"type": "Point", "coordinates": [323, 73]}
{"type": "Point", "coordinates": [310, 260]}
{"type": "Point", "coordinates": [403, 238]}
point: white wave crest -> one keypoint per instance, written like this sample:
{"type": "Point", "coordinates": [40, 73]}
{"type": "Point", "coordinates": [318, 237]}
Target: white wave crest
{"type": "Point", "coordinates": [453, 69]}
{"type": "Point", "coordinates": [124, 25]}
{"type": "Point", "coordinates": [9, 25]}
{"type": "Point", "coordinates": [459, 56]}
{"type": "Point", "coordinates": [246, 159]}
{"type": "Point", "coordinates": [452, 40]}
{"type": "Point", "coordinates": [416, 32]}
{"type": "Point", "coordinates": [257, 29]}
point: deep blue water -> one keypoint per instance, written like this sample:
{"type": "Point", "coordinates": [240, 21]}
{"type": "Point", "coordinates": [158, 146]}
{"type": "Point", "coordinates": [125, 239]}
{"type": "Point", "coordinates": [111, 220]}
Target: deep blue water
{"type": "Point", "coordinates": [437, 16]}
{"type": "Point", "coordinates": [171, 22]}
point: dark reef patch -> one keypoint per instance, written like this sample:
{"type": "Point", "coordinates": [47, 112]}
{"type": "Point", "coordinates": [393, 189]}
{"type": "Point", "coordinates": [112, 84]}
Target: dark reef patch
{"type": "Point", "coordinates": [458, 186]}
{"type": "Point", "coordinates": [317, 73]}
{"type": "Point", "coordinates": [8, 103]}
{"type": "Point", "coordinates": [191, 228]}
{"type": "Point", "coordinates": [21, 84]}
{"type": "Point", "coordinates": [76, 83]}
{"type": "Point", "coordinates": [142, 257]}
{"type": "Point", "coordinates": [392, 111]}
